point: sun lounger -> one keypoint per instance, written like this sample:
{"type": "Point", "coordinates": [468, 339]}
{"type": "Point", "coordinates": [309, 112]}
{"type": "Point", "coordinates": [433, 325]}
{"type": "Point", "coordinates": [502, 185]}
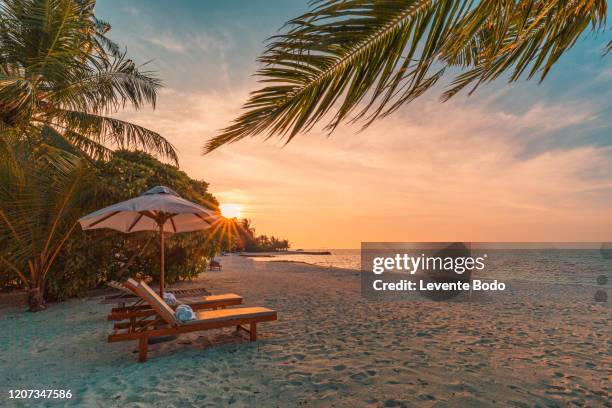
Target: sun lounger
{"type": "Point", "coordinates": [164, 323]}
{"type": "Point", "coordinates": [126, 297]}
{"type": "Point", "coordinates": [196, 303]}
{"type": "Point", "coordinates": [142, 309]}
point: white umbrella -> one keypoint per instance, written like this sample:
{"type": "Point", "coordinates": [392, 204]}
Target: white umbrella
{"type": "Point", "coordinates": [159, 209]}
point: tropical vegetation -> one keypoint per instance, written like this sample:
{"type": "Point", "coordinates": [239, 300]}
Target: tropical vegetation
{"type": "Point", "coordinates": [92, 258]}
{"type": "Point", "coordinates": [359, 60]}
{"type": "Point", "coordinates": [43, 250]}
{"type": "Point", "coordinates": [40, 202]}
{"type": "Point", "coordinates": [249, 241]}
{"type": "Point", "coordinates": [61, 79]}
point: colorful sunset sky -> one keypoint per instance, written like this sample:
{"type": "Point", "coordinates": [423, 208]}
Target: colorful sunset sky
{"type": "Point", "coordinates": [524, 162]}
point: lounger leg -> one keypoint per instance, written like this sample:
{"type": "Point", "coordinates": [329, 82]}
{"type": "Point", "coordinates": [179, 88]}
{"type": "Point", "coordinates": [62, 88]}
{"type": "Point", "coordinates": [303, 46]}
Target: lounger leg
{"type": "Point", "coordinates": [253, 331]}
{"type": "Point", "coordinates": [142, 352]}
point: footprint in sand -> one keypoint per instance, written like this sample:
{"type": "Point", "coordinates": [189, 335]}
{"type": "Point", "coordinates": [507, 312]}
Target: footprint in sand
{"type": "Point", "coordinates": [394, 403]}
{"type": "Point", "coordinates": [299, 356]}
{"type": "Point", "coordinates": [362, 378]}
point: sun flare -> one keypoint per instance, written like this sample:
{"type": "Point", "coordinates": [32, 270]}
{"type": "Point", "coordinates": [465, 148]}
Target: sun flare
{"type": "Point", "coordinates": [231, 210]}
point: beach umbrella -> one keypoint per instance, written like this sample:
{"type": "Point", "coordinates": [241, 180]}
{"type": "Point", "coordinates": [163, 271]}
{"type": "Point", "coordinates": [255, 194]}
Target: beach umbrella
{"type": "Point", "coordinates": [159, 209]}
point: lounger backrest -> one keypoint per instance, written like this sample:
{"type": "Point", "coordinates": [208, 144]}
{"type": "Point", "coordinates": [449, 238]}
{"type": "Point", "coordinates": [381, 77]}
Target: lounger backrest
{"type": "Point", "coordinates": [120, 286]}
{"type": "Point", "coordinates": [115, 285]}
{"type": "Point", "coordinates": [157, 303]}
{"type": "Point", "coordinates": [131, 285]}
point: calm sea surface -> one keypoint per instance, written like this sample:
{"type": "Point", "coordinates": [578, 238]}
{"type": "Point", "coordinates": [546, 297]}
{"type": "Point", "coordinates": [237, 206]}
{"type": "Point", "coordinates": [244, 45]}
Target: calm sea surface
{"type": "Point", "coordinates": [566, 266]}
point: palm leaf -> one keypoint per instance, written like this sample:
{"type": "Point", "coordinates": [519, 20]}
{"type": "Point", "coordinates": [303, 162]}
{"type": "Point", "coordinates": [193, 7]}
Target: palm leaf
{"type": "Point", "coordinates": [111, 132]}
{"type": "Point", "coordinates": [59, 69]}
{"type": "Point", "coordinates": [16, 100]}
{"type": "Point", "coordinates": [76, 144]}
{"type": "Point", "coordinates": [101, 41]}
{"type": "Point", "coordinates": [108, 89]}
{"type": "Point", "coordinates": [366, 58]}
{"type": "Point", "coordinates": [40, 209]}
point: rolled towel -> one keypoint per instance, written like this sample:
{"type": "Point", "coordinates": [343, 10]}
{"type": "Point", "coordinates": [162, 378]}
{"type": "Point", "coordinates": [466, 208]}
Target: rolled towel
{"type": "Point", "coordinates": [184, 313]}
{"type": "Point", "coordinates": [169, 298]}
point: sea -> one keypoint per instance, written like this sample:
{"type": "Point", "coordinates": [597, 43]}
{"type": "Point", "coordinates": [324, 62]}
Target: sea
{"type": "Point", "coordinates": [585, 267]}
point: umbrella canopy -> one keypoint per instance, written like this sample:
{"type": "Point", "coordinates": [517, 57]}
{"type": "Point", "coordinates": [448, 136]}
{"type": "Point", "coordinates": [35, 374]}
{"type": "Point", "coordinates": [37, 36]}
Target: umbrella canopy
{"type": "Point", "coordinates": [145, 212]}
{"type": "Point", "coordinates": [159, 209]}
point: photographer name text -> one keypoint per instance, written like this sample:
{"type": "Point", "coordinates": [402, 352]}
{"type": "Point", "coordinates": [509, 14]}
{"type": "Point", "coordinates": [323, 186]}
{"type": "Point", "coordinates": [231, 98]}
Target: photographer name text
{"type": "Point", "coordinates": [422, 285]}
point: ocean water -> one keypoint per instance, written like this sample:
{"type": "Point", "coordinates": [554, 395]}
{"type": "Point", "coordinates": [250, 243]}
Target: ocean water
{"type": "Point", "coordinates": [587, 267]}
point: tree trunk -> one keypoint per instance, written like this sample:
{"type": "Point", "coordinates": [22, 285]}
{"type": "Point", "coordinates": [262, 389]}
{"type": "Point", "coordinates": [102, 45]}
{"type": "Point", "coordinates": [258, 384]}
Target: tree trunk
{"type": "Point", "coordinates": [36, 300]}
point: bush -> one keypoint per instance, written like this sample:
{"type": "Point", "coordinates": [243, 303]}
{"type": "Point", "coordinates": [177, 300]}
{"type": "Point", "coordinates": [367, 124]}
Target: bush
{"type": "Point", "coordinates": [92, 258]}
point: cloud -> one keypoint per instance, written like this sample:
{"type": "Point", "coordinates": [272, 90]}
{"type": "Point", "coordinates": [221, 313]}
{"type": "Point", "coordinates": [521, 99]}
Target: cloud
{"type": "Point", "coordinates": [545, 117]}
{"type": "Point", "coordinates": [196, 42]}
{"type": "Point", "coordinates": [513, 162]}
{"type": "Point", "coordinates": [207, 53]}
{"type": "Point", "coordinates": [431, 171]}
{"type": "Point", "coordinates": [132, 10]}
{"type": "Point", "coordinates": [169, 43]}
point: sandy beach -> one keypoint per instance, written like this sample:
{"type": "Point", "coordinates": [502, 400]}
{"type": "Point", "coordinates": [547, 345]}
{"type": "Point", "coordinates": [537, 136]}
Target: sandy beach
{"type": "Point", "coordinates": [531, 346]}
{"type": "Point", "coordinates": [368, 204]}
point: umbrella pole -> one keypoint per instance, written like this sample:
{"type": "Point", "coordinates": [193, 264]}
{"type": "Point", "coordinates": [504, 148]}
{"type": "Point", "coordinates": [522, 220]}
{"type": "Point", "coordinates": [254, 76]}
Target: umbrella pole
{"type": "Point", "coordinates": [162, 260]}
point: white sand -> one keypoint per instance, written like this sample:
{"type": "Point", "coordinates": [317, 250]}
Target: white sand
{"type": "Point", "coordinates": [330, 347]}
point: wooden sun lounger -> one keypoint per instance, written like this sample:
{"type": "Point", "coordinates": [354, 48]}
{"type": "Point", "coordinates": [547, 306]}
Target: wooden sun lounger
{"type": "Point", "coordinates": [200, 303]}
{"type": "Point", "coordinates": [164, 323]}
{"type": "Point", "coordinates": [141, 309]}
{"type": "Point", "coordinates": [126, 297]}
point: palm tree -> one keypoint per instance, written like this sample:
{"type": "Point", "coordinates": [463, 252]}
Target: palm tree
{"type": "Point", "coordinates": [274, 243]}
{"type": "Point", "coordinates": [40, 202]}
{"type": "Point", "coordinates": [363, 59]}
{"type": "Point", "coordinates": [246, 228]}
{"type": "Point", "coordinates": [60, 78]}
{"type": "Point", "coordinates": [285, 244]}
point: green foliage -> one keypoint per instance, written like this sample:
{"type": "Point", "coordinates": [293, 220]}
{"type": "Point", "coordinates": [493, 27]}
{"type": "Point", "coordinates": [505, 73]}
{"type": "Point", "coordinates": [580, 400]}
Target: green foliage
{"type": "Point", "coordinates": [251, 242]}
{"type": "Point", "coordinates": [129, 174]}
{"type": "Point", "coordinates": [373, 56]}
{"type": "Point", "coordinates": [91, 258]}
{"type": "Point", "coordinates": [41, 199]}
{"type": "Point", "coordinates": [60, 76]}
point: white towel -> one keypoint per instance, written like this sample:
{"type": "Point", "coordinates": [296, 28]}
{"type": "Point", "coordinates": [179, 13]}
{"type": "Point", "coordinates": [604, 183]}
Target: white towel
{"type": "Point", "coordinates": [169, 298]}
{"type": "Point", "coordinates": [184, 313]}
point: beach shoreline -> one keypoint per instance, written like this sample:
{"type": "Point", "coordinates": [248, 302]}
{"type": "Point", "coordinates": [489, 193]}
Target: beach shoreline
{"type": "Point", "coordinates": [329, 346]}
{"type": "Point", "coordinates": [18, 298]}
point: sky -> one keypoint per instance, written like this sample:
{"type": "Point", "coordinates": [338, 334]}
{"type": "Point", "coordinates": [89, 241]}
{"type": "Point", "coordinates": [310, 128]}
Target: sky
{"type": "Point", "coordinates": [520, 162]}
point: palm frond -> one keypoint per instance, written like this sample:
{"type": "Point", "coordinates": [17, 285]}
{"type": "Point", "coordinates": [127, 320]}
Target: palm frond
{"type": "Point", "coordinates": [58, 68]}
{"type": "Point", "coordinates": [40, 209]}
{"type": "Point", "coordinates": [49, 36]}
{"type": "Point", "coordinates": [16, 100]}
{"type": "Point", "coordinates": [101, 41]}
{"type": "Point", "coordinates": [366, 58]}
{"type": "Point", "coordinates": [108, 89]}
{"type": "Point", "coordinates": [108, 132]}
{"type": "Point", "coordinates": [75, 143]}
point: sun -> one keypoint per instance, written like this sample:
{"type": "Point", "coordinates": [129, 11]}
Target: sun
{"type": "Point", "coordinates": [231, 210]}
